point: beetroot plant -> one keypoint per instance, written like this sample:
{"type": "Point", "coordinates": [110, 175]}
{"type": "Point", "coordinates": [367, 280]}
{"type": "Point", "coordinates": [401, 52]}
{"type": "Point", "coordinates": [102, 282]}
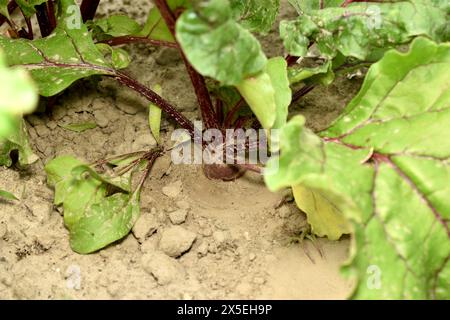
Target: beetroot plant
{"type": "Point", "coordinates": [380, 172]}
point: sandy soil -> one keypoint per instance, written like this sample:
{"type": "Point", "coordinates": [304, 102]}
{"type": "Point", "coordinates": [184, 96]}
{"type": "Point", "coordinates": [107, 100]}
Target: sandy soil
{"type": "Point", "coordinates": [239, 244]}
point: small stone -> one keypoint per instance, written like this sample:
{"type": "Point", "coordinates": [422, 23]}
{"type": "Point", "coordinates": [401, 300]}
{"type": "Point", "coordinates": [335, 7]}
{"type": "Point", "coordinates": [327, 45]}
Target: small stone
{"type": "Point", "coordinates": [163, 268]}
{"type": "Point", "coordinates": [176, 240]}
{"type": "Point", "coordinates": [183, 204]}
{"type": "Point", "coordinates": [178, 216]}
{"type": "Point", "coordinates": [284, 212]}
{"type": "Point", "coordinates": [102, 104]}
{"type": "Point", "coordinates": [173, 190]}
{"type": "Point", "coordinates": [42, 130]}
{"type": "Point", "coordinates": [101, 118]}
{"type": "Point", "coordinates": [206, 232]}
{"type": "Point", "coordinates": [212, 248]}
{"type": "Point", "coordinates": [202, 249]}
{"type": "Point", "coordinates": [52, 125]}
{"type": "Point", "coordinates": [161, 166]}
{"type": "Point", "coordinates": [145, 226]}
{"type": "Point", "coordinates": [251, 256]}
{"type": "Point", "coordinates": [32, 133]}
{"type": "Point", "coordinates": [220, 237]}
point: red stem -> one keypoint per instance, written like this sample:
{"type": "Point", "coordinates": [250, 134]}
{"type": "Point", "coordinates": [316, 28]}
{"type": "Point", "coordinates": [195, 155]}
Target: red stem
{"type": "Point", "coordinates": [219, 110]}
{"type": "Point", "coordinates": [232, 113]}
{"type": "Point", "coordinates": [88, 9]}
{"type": "Point", "coordinates": [46, 23]}
{"type": "Point", "coordinates": [51, 14]}
{"type": "Point", "coordinates": [156, 99]}
{"type": "Point", "coordinates": [29, 27]}
{"type": "Point", "coordinates": [204, 100]}
{"type": "Point", "coordinates": [302, 92]}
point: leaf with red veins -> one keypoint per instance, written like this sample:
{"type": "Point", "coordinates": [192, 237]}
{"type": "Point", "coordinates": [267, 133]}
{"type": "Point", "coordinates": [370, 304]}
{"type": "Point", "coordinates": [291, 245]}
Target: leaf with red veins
{"type": "Point", "coordinates": [65, 56]}
{"type": "Point", "coordinates": [384, 165]}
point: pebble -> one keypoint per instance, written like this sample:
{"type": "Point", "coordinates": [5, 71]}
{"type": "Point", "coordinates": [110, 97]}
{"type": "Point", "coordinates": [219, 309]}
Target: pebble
{"type": "Point", "coordinates": [161, 166]}
{"type": "Point", "coordinates": [178, 216]}
{"type": "Point", "coordinates": [212, 248]}
{"type": "Point", "coordinates": [145, 226]}
{"type": "Point", "coordinates": [101, 118]}
{"type": "Point", "coordinates": [52, 125]}
{"type": "Point", "coordinates": [176, 240]}
{"type": "Point", "coordinates": [102, 104]}
{"type": "Point", "coordinates": [284, 212]}
{"type": "Point", "coordinates": [202, 249]}
{"type": "Point", "coordinates": [183, 204]}
{"type": "Point", "coordinates": [163, 268]}
{"type": "Point", "coordinates": [42, 130]}
{"type": "Point", "coordinates": [220, 237]}
{"type": "Point", "coordinates": [173, 190]}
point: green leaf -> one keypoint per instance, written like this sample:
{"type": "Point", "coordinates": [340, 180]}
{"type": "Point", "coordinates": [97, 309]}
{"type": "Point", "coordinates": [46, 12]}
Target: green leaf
{"type": "Point", "coordinates": [217, 46]}
{"type": "Point", "coordinates": [121, 182]}
{"type": "Point", "coordinates": [4, 9]}
{"type": "Point", "coordinates": [155, 28]}
{"type": "Point", "coordinates": [7, 195]}
{"type": "Point", "coordinates": [154, 116]}
{"type": "Point", "coordinates": [300, 74]}
{"type": "Point", "coordinates": [120, 58]}
{"type": "Point", "coordinates": [67, 55]}
{"type": "Point", "coordinates": [27, 6]}
{"type": "Point", "coordinates": [93, 217]}
{"type": "Point", "coordinates": [79, 127]}
{"type": "Point", "coordinates": [361, 28]}
{"type": "Point", "coordinates": [105, 222]}
{"type": "Point", "coordinates": [17, 140]}
{"type": "Point", "coordinates": [18, 96]}
{"type": "Point", "coordinates": [256, 15]}
{"type": "Point", "coordinates": [260, 96]}
{"type": "Point", "coordinates": [277, 70]}
{"type": "Point", "coordinates": [117, 26]}
{"type": "Point", "coordinates": [268, 94]}
{"type": "Point", "coordinates": [384, 165]}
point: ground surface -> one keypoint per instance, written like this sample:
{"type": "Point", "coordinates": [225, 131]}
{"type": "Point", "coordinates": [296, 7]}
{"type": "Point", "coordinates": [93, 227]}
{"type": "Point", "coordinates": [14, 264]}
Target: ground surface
{"type": "Point", "coordinates": [240, 243]}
